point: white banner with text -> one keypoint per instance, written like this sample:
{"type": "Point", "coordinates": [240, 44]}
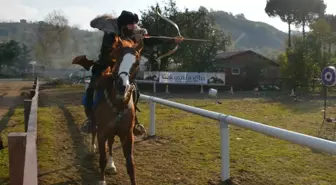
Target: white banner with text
{"type": "Point", "coordinates": [185, 77]}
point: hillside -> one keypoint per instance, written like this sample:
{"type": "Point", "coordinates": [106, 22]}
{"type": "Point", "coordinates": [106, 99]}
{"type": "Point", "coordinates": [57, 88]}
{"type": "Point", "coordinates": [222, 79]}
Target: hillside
{"type": "Point", "coordinates": [245, 34]}
{"type": "Point", "coordinates": [79, 42]}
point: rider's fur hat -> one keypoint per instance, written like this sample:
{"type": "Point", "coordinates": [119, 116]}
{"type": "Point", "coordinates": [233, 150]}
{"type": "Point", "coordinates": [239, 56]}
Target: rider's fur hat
{"type": "Point", "coordinates": [127, 17]}
{"type": "Point", "coordinates": [105, 23]}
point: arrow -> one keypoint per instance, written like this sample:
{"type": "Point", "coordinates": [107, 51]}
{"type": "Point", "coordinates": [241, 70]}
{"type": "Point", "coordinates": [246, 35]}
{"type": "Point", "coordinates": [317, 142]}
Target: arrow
{"type": "Point", "coordinates": [182, 38]}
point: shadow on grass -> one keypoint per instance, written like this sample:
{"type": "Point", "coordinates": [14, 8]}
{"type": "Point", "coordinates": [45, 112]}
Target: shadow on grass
{"type": "Point", "coordinates": [88, 170]}
{"type": "Point", "coordinates": [4, 181]}
{"type": "Point", "coordinates": [305, 104]}
{"type": "Point", "coordinates": [66, 98]}
{"type": "Point", "coordinates": [5, 119]}
{"type": "Point", "coordinates": [54, 171]}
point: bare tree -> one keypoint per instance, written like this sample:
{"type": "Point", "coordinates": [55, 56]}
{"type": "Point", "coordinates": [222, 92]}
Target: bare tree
{"type": "Point", "coordinates": [51, 36]}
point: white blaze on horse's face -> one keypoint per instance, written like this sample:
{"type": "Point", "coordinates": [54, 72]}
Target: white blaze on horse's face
{"type": "Point", "coordinates": [125, 66]}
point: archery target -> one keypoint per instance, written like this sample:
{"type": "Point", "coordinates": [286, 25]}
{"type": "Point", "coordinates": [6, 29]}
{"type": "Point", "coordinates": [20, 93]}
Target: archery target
{"type": "Point", "coordinates": [329, 76]}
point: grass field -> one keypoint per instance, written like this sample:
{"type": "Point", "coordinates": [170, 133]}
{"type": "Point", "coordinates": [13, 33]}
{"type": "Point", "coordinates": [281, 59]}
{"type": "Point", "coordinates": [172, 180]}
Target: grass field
{"type": "Point", "coordinates": [186, 150]}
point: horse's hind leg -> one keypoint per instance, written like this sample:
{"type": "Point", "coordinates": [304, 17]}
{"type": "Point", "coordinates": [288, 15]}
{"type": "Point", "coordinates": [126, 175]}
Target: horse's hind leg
{"type": "Point", "coordinates": [102, 158]}
{"type": "Point", "coordinates": [128, 154]}
{"type": "Point", "coordinates": [93, 147]}
{"type": "Point", "coordinates": [110, 163]}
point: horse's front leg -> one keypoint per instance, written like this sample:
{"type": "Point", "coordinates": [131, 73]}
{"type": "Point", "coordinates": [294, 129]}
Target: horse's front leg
{"type": "Point", "coordinates": [128, 145]}
{"type": "Point", "coordinates": [102, 157]}
{"type": "Point", "coordinates": [110, 163]}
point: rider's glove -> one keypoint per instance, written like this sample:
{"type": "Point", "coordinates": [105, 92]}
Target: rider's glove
{"type": "Point", "coordinates": [139, 33]}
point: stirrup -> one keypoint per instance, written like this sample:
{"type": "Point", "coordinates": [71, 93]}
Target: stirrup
{"type": "Point", "coordinates": [86, 126]}
{"type": "Point", "coordinates": [139, 130]}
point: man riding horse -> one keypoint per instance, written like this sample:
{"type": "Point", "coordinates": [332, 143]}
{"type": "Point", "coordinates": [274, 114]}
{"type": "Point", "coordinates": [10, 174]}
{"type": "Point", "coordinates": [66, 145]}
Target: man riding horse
{"type": "Point", "coordinates": [125, 26]}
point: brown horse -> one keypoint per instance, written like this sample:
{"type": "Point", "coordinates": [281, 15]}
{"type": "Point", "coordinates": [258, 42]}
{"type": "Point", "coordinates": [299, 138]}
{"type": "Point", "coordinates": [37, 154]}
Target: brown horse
{"type": "Point", "coordinates": [116, 115]}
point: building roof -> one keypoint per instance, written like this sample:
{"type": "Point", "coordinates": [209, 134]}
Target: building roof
{"type": "Point", "coordinates": [230, 54]}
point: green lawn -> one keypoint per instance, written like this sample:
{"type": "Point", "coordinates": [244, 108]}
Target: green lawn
{"type": "Point", "coordinates": [186, 150]}
{"type": "Point", "coordinates": [14, 120]}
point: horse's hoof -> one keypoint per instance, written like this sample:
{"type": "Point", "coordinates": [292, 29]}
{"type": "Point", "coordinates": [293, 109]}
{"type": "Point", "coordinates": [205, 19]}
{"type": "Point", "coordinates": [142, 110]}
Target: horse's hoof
{"type": "Point", "coordinates": [102, 182]}
{"type": "Point", "coordinates": [113, 170]}
{"type": "Point", "coordinates": [92, 149]}
{"type": "Point", "coordinates": [110, 165]}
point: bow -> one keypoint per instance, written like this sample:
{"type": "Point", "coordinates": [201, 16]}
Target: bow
{"type": "Point", "coordinates": [178, 32]}
{"type": "Point", "coordinates": [165, 37]}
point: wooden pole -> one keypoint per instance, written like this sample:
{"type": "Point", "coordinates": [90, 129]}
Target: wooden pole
{"type": "Point", "coordinates": [27, 108]}
{"type": "Point", "coordinates": [1, 143]}
{"type": "Point", "coordinates": [32, 93]}
{"type": "Point", "coordinates": [16, 154]}
{"type": "Point", "coordinates": [30, 168]}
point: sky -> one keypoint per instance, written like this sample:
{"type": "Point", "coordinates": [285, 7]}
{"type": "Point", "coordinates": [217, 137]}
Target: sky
{"type": "Point", "coordinates": [81, 12]}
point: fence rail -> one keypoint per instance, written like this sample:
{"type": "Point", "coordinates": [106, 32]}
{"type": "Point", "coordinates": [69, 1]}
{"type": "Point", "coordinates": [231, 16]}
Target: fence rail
{"type": "Point", "coordinates": [224, 120]}
{"type": "Point", "coordinates": [22, 145]}
{"type": "Point", "coordinates": [167, 84]}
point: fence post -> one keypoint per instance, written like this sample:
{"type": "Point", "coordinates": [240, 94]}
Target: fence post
{"type": "Point", "coordinates": [154, 87]}
{"type": "Point", "coordinates": [224, 149]}
{"type": "Point", "coordinates": [1, 143]}
{"type": "Point", "coordinates": [202, 90]}
{"type": "Point", "coordinates": [152, 117]}
{"type": "Point", "coordinates": [32, 93]}
{"type": "Point", "coordinates": [27, 107]}
{"type": "Point", "coordinates": [16, 154]}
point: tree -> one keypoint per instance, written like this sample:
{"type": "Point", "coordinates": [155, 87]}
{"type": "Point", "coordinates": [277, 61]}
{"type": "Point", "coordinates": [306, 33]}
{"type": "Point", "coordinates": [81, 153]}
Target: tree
{"type": "Point", "coordinates": [322, 31]}
{"type": "Point", "coordinates": [24, 57]}
{"type": "Point", "coordinates": [9, 52]}
{"type": "Point", "coordinates": [305, 53]}
{"type": "Point", "coordinates": [284, 9]}
{"type": "Point", "coordinates": [307, 12]}
{"type": "Point", "coordinates": [51, 36]}
{"type": "Point", "coordinates": [192, 56]}
{"type": "Point", "coordinates": [331, 20]}
{"type": "Point", "coordinates": [157, 26]}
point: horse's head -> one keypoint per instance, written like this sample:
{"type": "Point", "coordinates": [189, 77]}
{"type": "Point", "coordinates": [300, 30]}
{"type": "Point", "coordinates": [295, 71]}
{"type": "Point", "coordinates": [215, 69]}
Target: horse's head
{"type": "Point", "coordinates": [126, 55]}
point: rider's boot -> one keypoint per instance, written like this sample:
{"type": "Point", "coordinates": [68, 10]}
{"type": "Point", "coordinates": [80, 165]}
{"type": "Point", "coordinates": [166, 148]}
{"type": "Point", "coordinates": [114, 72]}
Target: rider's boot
{"type": "Point", "coordinates": [138, 128]}
{"type": "Point", "coordinates": [90, 124]}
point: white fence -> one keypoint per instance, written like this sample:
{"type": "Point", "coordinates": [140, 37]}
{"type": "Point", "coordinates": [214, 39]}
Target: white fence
{"type": "Point", "coordinates": [224, 120]}
{"type": "Point", "coordinates": [155, 82]}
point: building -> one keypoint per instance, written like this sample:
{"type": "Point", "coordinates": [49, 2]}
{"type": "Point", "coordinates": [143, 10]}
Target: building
{"type": "Point", "coordinates": [247, 69]}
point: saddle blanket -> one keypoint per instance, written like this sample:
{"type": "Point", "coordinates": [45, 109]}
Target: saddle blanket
{"type": "Point", "coordinates": [98, 95]}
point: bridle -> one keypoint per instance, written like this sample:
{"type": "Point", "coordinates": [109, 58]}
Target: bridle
{"type": "Point", "coordinates": [113, 72]}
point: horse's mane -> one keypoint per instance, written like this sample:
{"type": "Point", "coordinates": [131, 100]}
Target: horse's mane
{"type": "Point", "coordinates": [117, 45]}
{"type": "Point", "coordinates": [106, 23]}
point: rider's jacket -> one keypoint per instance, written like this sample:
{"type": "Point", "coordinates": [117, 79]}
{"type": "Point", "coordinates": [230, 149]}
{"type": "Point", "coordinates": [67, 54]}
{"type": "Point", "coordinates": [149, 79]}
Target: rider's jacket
{"type": "Point", "coordinates": [106, 48]}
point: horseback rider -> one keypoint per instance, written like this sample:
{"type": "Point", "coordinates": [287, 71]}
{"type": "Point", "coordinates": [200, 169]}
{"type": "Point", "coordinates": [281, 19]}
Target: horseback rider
{"type": "Point", "coordinates": [124, 26]}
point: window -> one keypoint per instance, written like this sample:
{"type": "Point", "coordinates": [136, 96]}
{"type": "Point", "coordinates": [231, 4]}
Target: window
{"type": "Point", "coordinates": [235, 71]}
